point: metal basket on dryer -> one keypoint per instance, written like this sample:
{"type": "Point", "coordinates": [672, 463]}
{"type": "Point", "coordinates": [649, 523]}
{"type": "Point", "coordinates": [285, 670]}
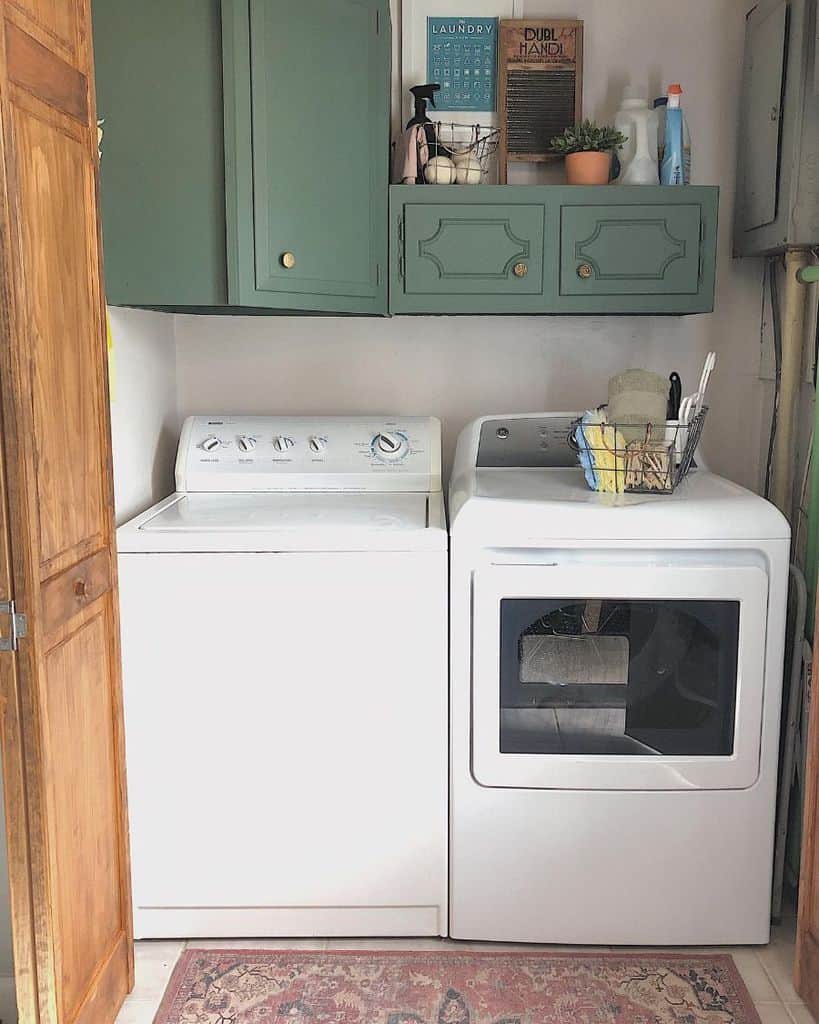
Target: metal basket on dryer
{"type": "Point", "coordinates": [640, 458]}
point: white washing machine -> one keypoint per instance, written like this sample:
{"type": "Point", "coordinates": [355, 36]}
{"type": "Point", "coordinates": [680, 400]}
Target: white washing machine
{"type": "Point", "coordinates": [616, 670]}
{"type": "Point", "coordinates": [284, 641]}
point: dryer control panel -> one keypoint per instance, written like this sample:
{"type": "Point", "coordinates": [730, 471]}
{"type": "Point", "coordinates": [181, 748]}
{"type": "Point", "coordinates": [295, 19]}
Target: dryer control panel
{"type": "Point", "coordinates": [527, 442]}
{"type": "Point", "coordinates": [306, 453]}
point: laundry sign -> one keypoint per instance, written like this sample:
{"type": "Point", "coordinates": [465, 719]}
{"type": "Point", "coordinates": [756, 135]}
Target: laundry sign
{"type": "Point", "coordinates": [462, 56]}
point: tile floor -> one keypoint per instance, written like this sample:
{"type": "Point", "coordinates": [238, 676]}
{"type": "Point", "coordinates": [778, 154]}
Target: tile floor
{"type": "Point", "coordinates": [766, 969]}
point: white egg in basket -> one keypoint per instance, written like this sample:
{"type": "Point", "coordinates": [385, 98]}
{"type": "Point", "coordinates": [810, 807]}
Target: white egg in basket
{"type": "Point", "coordinates": [440, 170]}
{"type": "Point", "coordinates": [468, 170]}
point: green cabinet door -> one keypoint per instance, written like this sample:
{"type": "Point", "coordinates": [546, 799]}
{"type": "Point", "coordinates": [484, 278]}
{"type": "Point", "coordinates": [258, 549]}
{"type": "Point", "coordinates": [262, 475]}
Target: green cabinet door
{"type": "Point", "coordinates": [306, 146]}
{"type": "Point", "coordinates": [623, 250]}
{"type": "Point", "coordinates": [481, 252]}
{"type": "Point", "coordinates": [654, 256]}
{"type": "Point", "coordinates": [473, 250]}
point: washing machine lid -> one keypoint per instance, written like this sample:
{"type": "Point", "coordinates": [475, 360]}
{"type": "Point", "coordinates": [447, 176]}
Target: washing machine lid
{"type": "Point", "coordinates": [288, 522]}
{"type": "Point", "coordinates": [523, 506]}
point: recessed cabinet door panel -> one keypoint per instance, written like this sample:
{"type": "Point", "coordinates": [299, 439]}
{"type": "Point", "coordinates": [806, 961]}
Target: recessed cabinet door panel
{"type": "Point", "coordinates": [307, 89]}
{"type": "Point", "coordinates": [630, 250]}
{"type": "Point", "coordinates": [473, 250]}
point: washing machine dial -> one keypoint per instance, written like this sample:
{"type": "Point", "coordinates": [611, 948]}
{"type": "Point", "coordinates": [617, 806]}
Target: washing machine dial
{"type": "Point", "coordinates": [210, 444]}
{"type": "Point", "coordinates": [245, 443]}
{"type": "Point", "coordinates": [317, 444]}
{"type": "Point", "coordinates": [391, 446]}
{"type": "Point", "coordinates": [282, 443]}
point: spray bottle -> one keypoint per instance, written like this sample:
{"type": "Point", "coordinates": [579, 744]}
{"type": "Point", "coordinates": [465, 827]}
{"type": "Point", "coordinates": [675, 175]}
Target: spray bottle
{"type": "Point", "coordinates": [422, 95]}
{"type": "Point", "coordinates": [675, 168]}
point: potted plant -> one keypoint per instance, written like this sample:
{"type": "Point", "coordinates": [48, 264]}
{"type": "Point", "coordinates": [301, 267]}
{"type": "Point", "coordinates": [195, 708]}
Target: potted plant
{"type": "Point", "coordinates": [587, 148]}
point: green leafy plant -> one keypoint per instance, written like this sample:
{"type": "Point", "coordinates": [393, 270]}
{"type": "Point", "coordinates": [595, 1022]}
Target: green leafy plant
{"type": "Point", "coordinates": [587, 137]}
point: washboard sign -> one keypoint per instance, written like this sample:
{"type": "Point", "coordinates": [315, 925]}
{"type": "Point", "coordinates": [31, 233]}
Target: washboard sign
{"type": "Point", "coordinates": [540, 85]}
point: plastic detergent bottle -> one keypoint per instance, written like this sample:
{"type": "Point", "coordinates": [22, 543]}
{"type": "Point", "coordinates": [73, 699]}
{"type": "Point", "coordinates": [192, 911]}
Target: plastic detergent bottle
{"type": "Point", "coordinates": [675, 168]}
{"type": "Point", "coordinates": [639, 123]}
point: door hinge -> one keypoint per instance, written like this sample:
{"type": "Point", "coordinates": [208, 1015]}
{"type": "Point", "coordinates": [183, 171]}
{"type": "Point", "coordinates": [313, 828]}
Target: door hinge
{"type": "Point", "coordinates": [17, 627]}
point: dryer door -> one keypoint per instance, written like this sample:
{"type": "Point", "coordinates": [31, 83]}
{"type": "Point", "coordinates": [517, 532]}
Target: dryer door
{"type": "Point", "coordinates": [618, 677]}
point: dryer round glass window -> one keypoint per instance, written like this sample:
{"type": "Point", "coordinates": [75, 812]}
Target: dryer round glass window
{"type": "Point", "coordinates": [618, 676]}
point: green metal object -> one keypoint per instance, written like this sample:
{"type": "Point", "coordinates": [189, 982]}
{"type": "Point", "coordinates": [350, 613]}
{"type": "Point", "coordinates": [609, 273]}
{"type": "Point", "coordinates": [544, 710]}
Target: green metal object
{"type": "Point", "coordinates": [604, 249]}
{"type": "Point", "coordinates": [808, 275]}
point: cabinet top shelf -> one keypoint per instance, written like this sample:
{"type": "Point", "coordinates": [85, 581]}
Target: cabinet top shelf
{"type": "Point", "coordinates": [668, 193]}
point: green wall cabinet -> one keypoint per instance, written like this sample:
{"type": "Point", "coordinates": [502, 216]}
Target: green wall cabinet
{"type": "Point", "coordinates": [231, 176]}
{"type": "Point", "coordinates": [245, 169]}
{"type": "Point", "coordinates": [553, 249]}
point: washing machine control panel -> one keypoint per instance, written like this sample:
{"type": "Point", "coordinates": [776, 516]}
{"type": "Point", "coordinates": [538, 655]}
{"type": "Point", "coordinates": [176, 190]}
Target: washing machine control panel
{"type": "Point", "coordinates": [293, 453]}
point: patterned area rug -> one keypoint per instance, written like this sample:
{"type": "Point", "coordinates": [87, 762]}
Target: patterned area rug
{"type": "Point", "coordinates": [292, 987]}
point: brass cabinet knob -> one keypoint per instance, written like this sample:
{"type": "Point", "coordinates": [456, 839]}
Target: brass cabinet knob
{"type": "Point", "coordinates": [288, 260]}
{"type": "Point", "coordinates": [520, 270]}
{"type": "Point", "coordinates": [585, 271]}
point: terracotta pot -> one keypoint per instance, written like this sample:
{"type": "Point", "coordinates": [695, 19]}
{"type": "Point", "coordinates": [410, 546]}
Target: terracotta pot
{"type": "Point", "coordinates": [590, 168]}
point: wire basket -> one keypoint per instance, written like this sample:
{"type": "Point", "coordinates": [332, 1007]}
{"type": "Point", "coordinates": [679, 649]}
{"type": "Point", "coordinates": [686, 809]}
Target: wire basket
{"type": "Point", "coordinates": [639, 458]}
{"type": "Point", "coordinates": [473, 149]}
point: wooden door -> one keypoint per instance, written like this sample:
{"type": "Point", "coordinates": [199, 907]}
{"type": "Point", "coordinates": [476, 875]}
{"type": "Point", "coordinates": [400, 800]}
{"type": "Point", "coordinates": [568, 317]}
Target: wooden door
{"type": "Point", "coordinates": [62, 721]}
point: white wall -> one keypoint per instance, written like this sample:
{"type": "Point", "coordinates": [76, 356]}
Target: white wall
{"type": "Point", "coordinates": [454, 367]}
{"type": "Point", "coordinates": [459, 368]}
{"type": "Point", "coordinates": [144, 422]}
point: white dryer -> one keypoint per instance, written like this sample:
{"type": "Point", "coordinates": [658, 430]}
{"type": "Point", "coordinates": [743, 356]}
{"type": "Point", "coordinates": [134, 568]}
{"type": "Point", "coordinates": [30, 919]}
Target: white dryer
{"type": "Point", "coordinates": [616, 670]}
{"type": "Point", "coordinates": [284, 639]}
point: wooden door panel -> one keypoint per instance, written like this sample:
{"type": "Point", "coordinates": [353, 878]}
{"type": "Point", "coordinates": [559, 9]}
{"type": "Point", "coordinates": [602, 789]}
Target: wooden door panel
{"type": "Point", "coordinates": [34, 67]}
{"type": "Point", "coordinates": [63, 321]}
{"type": "Point", "coordinates": [59, 23]}
{"type": "Point", "coordinates": [83, 804]}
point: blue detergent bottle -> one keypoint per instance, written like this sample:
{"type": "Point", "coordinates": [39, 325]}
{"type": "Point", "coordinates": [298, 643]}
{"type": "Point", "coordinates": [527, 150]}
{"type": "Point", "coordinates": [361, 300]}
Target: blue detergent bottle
{"type": "Point", "coordinates": [675, 168]}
